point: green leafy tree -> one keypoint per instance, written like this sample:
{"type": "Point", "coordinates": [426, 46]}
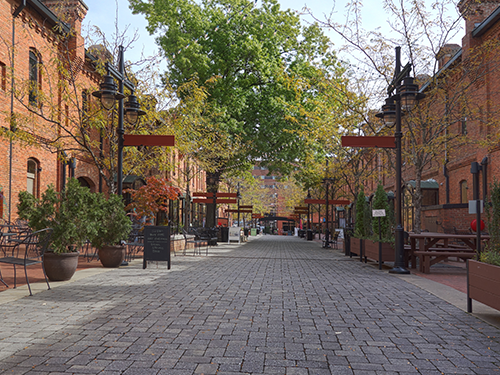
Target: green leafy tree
{"type": "Point", "coordinates": [262, 72]}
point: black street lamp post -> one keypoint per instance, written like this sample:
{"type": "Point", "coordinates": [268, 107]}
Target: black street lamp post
{"type": "Point", "coordinates": [327, 181]}
{"type": "Point", "coordinates": [406, 98]}
{"type": "Point", "coordinates": [238, 197]}
{"type": "Point", "coordinates": [108, 95]}
{"type": "Point", "coordinates": [309, 236]}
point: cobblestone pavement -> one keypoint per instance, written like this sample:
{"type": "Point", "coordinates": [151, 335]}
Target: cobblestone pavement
{"type": "Point", "coordinates": [275, 305]}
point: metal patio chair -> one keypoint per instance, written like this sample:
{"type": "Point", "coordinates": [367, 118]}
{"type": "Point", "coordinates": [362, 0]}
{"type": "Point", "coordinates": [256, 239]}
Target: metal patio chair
{"type": "Point", "coordinates": [28, 251]}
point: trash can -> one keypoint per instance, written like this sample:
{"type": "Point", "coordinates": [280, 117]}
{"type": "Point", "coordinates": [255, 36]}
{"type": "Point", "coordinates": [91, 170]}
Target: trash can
{"type": "Point", "coordinates": [224, 234]}
{"type": "Point", "coordinates": [309, 235]}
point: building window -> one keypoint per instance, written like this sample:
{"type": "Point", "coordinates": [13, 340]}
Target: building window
{"type": "Point", "coordinates": [463, 126]}
{"type": "Point", "coordinates": [3, 76]}
{"type": "Point", "coordinates": [32, 180]}
{"type": "Point", "coordinates": [430, 197]}
{"type": "Point", "coordinates": [85, 105]}
{"type": "Point", "coordinates": [1, 204]}
{"type": "Point", "coordinates": [35, 81]}
{"type": "Point", "coordinates": [463, 192]}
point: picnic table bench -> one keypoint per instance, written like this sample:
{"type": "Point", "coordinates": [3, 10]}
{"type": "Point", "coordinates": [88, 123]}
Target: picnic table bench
{"type": "Point", "coordinates": [435, 247]}
{"type": "Point", "coordinates": [437, 254]}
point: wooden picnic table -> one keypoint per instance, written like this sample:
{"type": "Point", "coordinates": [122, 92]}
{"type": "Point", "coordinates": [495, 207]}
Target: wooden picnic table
{"type": "Point", "coordinates": [434, 247]}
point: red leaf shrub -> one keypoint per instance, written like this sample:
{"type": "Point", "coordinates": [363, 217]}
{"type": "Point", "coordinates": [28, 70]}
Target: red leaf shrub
{"type": "Point", "coordinates": [152, 198]}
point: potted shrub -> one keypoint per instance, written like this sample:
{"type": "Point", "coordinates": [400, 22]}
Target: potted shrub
{"type": "Point", "coordinates": [483, 275]}
{"type": "Point", "coordinates": [385, 236]}
{"type": "Point", "coordinates": [361, 224]}
{"type": "Point", "coordinates": [67, 214]}
{"type": "Point", "coordinates": [112, 228]}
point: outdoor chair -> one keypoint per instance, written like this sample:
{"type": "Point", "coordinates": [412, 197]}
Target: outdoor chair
{"type": "Point", "coordinates": [28, 251]}
{"type": "Point", "coordinates": [135, 243]}
{"type": "Point", "coordinates": [335, 239]}
{"type": "Point", "coordinates": [196, 241]}
{"type": "Point", "coordinates": [88, 252]}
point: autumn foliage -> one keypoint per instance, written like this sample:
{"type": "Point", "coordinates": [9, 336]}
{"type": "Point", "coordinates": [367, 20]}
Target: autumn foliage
{"type": "Point", "coordinates": [152, 198]}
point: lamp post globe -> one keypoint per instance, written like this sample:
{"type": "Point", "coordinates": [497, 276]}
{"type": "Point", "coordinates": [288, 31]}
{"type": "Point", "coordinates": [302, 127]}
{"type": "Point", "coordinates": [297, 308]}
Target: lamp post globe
{"type": "Point", "coordinates": [108, 93]}
{"type": "Point", "coordinates": [388, 114]}
{"type": "Point", "coordinates": [132, 110]}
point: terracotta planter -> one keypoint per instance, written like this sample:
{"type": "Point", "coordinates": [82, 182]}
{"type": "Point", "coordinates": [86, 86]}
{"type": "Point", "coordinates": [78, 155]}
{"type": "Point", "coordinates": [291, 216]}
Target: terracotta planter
{"type": "Point", "coordinates": [371, 251]}
{"type": "Point", "coordinates": [483, 284]}
{"type": "Point", "coordinates": [60, 267]}
{"type": "Point", "coordinates": [111, 256]}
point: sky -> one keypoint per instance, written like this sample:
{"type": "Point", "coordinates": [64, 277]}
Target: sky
{"type": "Point", "coordinates": [103, 14]}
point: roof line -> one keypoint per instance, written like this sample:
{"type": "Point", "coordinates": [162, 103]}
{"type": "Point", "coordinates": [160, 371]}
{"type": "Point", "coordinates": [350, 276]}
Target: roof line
{"type": "Point", "coordinates": [44, 11]}
{"type": "Point", "coordinates": [486, 24]}
{"type": "Point", "coordinates": [440, 71]}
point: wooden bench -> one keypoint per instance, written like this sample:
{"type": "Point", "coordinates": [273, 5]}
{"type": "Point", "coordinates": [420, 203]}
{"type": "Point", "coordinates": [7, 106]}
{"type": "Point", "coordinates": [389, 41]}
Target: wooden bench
{"type": "Point", "coordinates": [437, 254]}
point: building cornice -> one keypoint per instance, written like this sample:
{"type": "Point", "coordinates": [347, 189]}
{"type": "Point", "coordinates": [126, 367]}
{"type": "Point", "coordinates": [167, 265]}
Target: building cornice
{"type": "Point", "coordinates": [486, 24]}
{"type": "Point", "coordinates": [48, 15]}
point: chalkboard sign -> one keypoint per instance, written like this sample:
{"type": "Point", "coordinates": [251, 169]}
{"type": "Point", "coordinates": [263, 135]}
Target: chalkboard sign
{"type": "Point", "coordinates": [156, 244]}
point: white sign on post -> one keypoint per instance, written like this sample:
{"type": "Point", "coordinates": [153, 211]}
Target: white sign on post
{"type": "Point", "coordinates": [472, 207]}
{"type": "Point", "coordinates": [378, 213]}
{"type": "Point", "coordinates": [234, 234]}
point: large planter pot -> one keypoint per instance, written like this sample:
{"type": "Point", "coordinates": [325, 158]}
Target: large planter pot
{"type": "Point", "coordinates": [483, 284]}
{"type": "Point", "coordinates": [111, 256]}
{"type": "Point", "coordinates": [357, 245]}
{"type": "Point", "coordinates": [371, 251]}
{"type": "Point", "coordinates": [60, 267]}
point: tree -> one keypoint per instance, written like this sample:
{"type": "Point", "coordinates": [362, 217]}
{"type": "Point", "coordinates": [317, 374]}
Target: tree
{"type": "Point", "coordinates": [257, 60]}
{"type": "Point", "coordinates": [152, 199]}
{"type": "Point", "coordinates": [362, 227]}
{"type": "Point", "coordinates": [386, 222]}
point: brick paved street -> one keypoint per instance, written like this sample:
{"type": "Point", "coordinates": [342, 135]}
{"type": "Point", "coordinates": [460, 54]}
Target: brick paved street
{"type": "Point", "coordinates": [275, 305]}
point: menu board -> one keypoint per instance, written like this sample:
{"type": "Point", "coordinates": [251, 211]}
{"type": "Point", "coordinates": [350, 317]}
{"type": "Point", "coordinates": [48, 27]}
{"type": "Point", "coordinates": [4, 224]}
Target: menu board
{"type": "Point", "coordinates": [234, 234]}
{"type": "Point", "coordinates": [156, 244]}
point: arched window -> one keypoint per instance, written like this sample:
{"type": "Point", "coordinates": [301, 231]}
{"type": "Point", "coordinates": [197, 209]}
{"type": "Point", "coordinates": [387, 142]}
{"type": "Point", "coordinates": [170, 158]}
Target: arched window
{"type": "Point", "coordinates": [32, 177]}
{"type": "Point", "coordinates": [35, 81]}
{"type": "Point", "coordinates": [87, 182]}
{"type": "Point", "coordinates": [463, 192]}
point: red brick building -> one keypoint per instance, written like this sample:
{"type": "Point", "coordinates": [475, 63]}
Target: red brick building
{"type": "Point", "coordinates": [47, 126]}
{"type": "Point", "coordinates": [470, 76]}
{"type": "Point", "coordinates": [34, 35]}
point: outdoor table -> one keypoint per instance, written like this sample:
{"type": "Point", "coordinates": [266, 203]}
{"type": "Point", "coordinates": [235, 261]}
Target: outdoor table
{"type": "Point", "coordinates": [437, 245]}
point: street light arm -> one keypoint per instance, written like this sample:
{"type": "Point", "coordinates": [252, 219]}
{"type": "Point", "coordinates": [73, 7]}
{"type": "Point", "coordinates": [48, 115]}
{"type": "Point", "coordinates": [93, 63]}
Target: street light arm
{"type": "Point", "coordinates": [396, 80]}
{"type": "Point", "coordinates": [112, 71]}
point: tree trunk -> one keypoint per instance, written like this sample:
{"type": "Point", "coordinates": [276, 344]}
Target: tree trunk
{"type": "Point", "coordinates": [212, 181]}
{"type": "Point", "coordinates": [417, 201]}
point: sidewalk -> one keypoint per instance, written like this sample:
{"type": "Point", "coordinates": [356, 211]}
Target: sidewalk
{"type": "Point", "coordinates": [274, 305]}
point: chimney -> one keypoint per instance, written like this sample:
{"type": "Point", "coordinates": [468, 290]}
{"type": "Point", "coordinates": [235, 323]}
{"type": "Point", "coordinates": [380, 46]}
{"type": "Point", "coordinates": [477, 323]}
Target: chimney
{"type": "Point", "coordinates": [446, 53]}
{"type": "Point", "coordinates": [71, 12]}
{"type": "Point", "coordinates": [474, 12]}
